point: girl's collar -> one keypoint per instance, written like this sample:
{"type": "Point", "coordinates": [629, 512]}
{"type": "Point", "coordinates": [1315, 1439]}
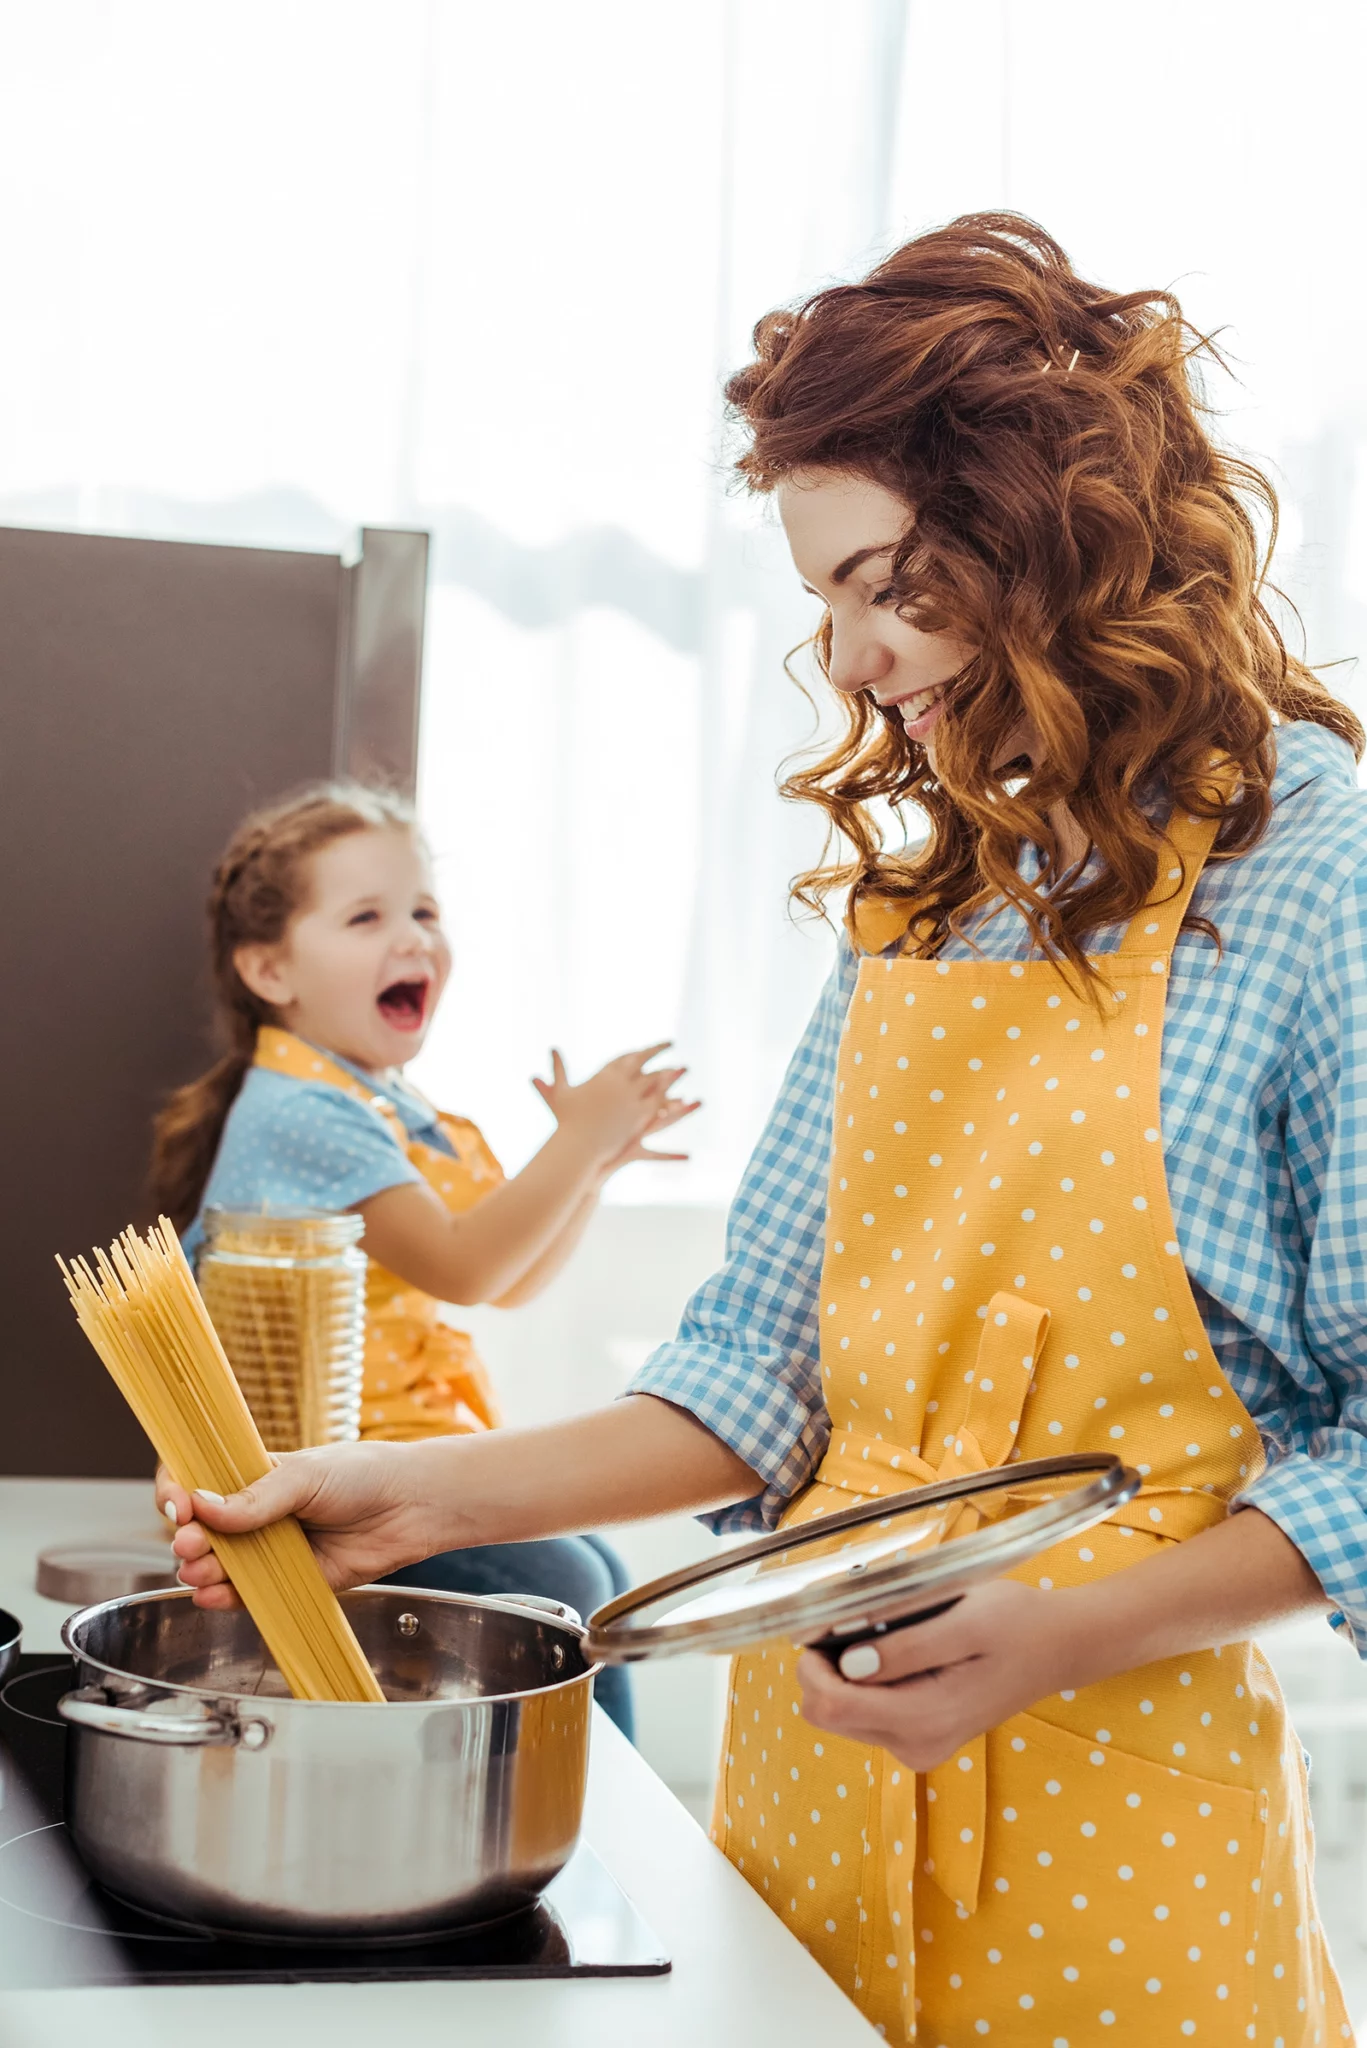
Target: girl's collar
{"type": "Point", "coordinates": [392, 1082]}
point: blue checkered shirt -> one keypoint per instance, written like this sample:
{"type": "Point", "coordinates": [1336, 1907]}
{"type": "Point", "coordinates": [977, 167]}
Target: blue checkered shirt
{"type": "Point", "coordinates": [1264, 1097]}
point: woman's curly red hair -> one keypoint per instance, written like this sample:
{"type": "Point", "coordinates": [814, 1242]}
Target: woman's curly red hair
{"type": "Point", "coordinates": [1071, 516]}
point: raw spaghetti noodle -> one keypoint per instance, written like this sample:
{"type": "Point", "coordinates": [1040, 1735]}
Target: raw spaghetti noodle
{"type": "Point", "coordinates": [141, 1310]}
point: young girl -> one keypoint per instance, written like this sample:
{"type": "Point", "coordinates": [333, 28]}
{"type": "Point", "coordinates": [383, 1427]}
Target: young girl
{"type": "Point", "coordinates": [329, 961]}
{"type": "Point", "coordinates": [1053, 1170]}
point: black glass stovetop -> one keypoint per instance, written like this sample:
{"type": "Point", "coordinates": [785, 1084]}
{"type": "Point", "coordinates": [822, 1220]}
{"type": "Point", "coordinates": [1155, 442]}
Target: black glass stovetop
{"type": "Point", "coordinates": [57, 1927]}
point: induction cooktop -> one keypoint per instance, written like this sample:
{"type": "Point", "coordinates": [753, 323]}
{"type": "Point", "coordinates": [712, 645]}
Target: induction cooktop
{"type": "Point", "coordinates": [58, 1928]}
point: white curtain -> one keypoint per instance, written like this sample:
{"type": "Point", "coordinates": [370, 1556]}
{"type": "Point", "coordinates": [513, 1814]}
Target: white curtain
{"type": "Point", "coordinates": [281, 271]}
{"type": "Point", "coordinates": [274, 272]}
{"type": "Point", "coordinates": [1214, 146]}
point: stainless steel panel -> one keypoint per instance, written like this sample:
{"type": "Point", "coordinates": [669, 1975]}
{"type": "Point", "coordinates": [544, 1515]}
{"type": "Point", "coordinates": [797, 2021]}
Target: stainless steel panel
{"type": "Point", "coordinates": [379, 681]}
{"type": "Point", "coordinates": [150, 693]}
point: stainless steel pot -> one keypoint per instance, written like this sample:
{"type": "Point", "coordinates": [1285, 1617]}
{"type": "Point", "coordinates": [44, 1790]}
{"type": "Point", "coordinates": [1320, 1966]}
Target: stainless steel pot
{"type": "Point", "coordinates": [198, 1789]}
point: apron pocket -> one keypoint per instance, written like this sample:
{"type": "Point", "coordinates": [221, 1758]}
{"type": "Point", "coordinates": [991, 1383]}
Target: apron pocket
{"type": "Point", "coordinates": [1135, 1878]}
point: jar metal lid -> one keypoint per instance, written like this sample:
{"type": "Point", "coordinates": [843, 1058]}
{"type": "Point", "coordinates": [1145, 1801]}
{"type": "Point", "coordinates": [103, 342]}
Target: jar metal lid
{"type": "Point", "coordinates": [268, 1234]}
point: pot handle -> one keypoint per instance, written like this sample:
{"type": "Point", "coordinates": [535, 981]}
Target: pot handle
{"type": "Point", "coordinates": [137, 1724]}
{"type": "Point", "coordinates": [540, 1602]}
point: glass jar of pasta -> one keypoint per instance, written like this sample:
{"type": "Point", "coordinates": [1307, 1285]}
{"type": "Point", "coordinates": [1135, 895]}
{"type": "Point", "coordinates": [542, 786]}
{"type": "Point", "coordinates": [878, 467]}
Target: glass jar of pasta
{"type": "Point", "coordinates": [286, 1294]}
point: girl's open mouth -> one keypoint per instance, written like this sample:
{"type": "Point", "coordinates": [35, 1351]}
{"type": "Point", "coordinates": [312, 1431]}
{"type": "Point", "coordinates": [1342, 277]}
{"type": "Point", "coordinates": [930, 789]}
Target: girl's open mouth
{"type": "Point", "coordinates": [404, 1004]}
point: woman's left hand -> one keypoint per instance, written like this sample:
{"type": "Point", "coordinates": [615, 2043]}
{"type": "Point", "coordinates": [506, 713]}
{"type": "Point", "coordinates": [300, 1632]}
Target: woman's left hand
{"type": "Point", "coordinates": [1004, 1646]}
{"type": "Point", "coordinates": [937, 1684]}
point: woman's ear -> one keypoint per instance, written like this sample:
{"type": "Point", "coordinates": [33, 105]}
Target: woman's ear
{"type": "Point", "coordinates": [263, 970]}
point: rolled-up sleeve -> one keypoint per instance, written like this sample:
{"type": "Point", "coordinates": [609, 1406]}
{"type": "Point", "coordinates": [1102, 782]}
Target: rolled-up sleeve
{"type": "Point", "coordinates": [746, 1360]}
{"type": "Point", "coordinates": [1315, 1484]}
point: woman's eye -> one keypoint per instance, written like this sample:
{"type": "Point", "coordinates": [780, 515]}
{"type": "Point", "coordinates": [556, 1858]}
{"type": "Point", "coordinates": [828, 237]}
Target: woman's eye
{"type": "Point", "coordinates": [882, 597]}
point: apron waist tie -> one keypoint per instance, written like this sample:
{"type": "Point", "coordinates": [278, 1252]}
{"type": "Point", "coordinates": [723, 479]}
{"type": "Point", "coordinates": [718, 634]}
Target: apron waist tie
{"type": "Point", "coordinates": [868, 1465]}
{"type": "Point", "coordinates": [956, 1791]}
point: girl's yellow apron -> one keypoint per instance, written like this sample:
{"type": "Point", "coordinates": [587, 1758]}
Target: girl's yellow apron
{"type": "Point", "coordinates": [423, 1377]}
{"type": "Point", "coordinates": [1129, 1863]}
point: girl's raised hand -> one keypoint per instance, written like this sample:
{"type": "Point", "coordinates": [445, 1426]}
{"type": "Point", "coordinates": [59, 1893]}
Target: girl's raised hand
{"type": "Point", "coordinates": [670, 1112]}
{"type": "Point", "coordinates": [616, 1109]}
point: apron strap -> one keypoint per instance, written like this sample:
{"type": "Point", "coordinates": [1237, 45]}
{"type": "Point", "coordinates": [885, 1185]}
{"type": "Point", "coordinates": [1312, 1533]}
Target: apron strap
{"type": "Point", "coordinates": [1187, 841]}
{"type": "Point", "coordinates": [877, 922]}
{"type": "Point", "coordinates": [1013, 1335]}
{"type": "Point", "coordinates": [282, 1053]}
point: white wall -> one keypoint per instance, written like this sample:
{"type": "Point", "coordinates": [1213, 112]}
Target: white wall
{"type": "Point", "coordinates": [576, 1348]}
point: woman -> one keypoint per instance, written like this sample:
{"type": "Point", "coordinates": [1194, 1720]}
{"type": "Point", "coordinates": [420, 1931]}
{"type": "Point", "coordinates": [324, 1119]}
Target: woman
{"type": "Point", "coordinates": [1071, 1808]}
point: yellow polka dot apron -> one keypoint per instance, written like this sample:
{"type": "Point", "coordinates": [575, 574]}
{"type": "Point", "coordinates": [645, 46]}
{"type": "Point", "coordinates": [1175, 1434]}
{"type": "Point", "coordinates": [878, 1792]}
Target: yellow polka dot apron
{"type": "Point", "coordinates": [423, 1377]}
{"type": "Point", "coordinates": [1131, 1862]}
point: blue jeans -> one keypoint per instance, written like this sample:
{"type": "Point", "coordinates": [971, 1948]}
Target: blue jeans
{"type": "Point", "coordinates": [583, 1571]}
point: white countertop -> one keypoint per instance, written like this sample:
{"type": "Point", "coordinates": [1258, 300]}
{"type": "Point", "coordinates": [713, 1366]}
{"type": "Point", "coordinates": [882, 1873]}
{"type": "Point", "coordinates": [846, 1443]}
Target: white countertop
{"type": "Point", "coordinates": [738, 1976]}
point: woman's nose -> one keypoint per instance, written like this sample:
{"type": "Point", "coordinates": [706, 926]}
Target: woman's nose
{"type": "Point", "coordinates": [857, 661]}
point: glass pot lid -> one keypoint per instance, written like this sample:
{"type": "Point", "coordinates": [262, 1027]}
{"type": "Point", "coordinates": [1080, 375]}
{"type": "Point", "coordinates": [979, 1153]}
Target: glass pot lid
{"type": "Point", "coordinates": [853, 1573]}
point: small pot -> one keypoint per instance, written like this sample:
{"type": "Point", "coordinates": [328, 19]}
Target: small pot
{"type": "Point", "coordinates": [200, 1790]}
{"type": "Point", "coordinates": [11, 1641]}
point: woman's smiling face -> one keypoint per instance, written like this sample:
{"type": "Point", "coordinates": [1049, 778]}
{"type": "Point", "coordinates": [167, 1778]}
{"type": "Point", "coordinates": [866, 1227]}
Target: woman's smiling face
{"type": "Point", "coordinates": [843, 532]}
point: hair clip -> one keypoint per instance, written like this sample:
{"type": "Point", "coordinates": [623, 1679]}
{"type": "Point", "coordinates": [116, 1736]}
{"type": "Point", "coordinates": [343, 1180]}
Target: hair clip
{"type": "Point", "coordinates": [1046, 366]}
{"type": "Point", "coordinates": [1073, 365]}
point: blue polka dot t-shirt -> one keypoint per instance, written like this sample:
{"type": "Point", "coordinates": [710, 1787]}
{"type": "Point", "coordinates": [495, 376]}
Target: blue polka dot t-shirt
{"type": "Point", "coordinates": [291, 1144]}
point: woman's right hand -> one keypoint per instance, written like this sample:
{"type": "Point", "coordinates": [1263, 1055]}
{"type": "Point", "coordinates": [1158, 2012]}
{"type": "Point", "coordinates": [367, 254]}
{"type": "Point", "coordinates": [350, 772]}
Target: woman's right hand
{"type": "Point", "coordinates": [369, 1508]}
{"type": "Point", "coordinates": [366, 1509]}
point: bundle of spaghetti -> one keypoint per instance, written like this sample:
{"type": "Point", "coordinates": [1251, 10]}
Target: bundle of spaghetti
{"type": "Point", "coordinates": [141, 1310]}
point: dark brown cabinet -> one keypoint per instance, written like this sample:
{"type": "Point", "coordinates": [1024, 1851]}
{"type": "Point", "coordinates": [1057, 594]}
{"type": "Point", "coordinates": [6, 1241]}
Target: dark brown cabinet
{"type": "Point", "coordinates": [150, 692]}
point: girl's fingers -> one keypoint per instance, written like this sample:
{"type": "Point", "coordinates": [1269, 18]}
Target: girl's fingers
{"type": "Point", "coordinates": [639, 1150]}
{"type": "Point", "coordinates": [667, 1118]}
{"type": "Point", "coordinates": [558, 1074]}
{"type": "Point", "coordinates": [672, 1112]}
{"type": "Point", "coordinates": [543, 1088]}
{"type": "Point", "coordinates": [656, 1087]}
{"type": "Point", "coordinates": [652, 1052]}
